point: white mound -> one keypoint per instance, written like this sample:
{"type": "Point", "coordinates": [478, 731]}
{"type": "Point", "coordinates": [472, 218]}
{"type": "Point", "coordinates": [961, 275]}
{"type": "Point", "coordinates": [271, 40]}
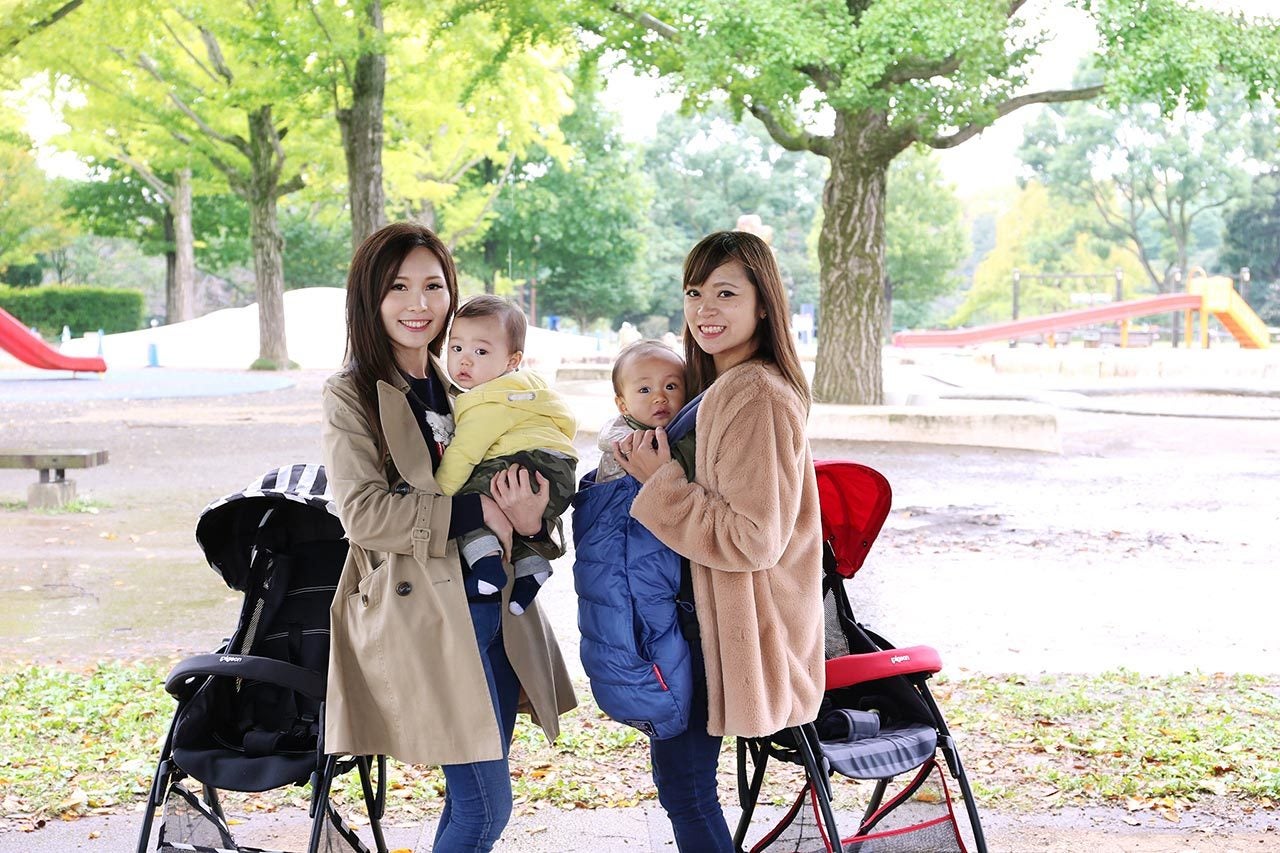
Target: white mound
{"type": "Point", "coordinates": [315, 332]}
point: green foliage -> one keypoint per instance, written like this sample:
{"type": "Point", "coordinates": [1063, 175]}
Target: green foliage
{"type": "Point", "coordinates": [1156, 183]}
{"type": "Point", "coordinates": [1042, 235]}
{"type": "Point", "coordinates": [925, 239]}
{"type": "Point", "coordinates": [469, 95]}
{"type": "Point", "coordinates": [77, 740]}
{"type": "Point", "coordinates": [317, 245]}
{"type": "Point", "coordinates": [80, 739]}
{"type": "Point", "coordinates": [574, 224]}
{"type": "Point", "coordinates": [1251, 238]}
{"type": "Point", "coordinates": [83, 309]}
{"type": "Point", "coordinates": [706, 171]}
{"type": "Point", "coordinates": [115, 202]}
{"type": "Point", "coordinates": [31, 219]}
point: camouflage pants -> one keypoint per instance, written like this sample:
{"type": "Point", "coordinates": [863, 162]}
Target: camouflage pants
{"type": "Point", "coordinates": [561, 473]}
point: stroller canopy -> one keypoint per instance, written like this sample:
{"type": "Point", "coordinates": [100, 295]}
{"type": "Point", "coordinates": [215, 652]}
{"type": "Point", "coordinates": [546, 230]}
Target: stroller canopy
{"type": "Point", "coordinates": [227, 527]}
{"type": "Point", "coordinates": [855, 501]}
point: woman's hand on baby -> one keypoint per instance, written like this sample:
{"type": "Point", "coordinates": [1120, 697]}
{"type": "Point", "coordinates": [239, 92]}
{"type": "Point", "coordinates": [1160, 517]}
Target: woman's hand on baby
{"type": "Point", "coordinates": [496, 520]}
{"type": "Point", "coordinates": [643, 452]}
{"type": "Point", "coordinates": [513, 491]}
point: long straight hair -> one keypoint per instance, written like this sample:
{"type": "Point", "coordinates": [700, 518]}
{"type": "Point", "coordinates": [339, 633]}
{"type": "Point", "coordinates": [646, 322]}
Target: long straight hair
{"type": "Point", "coordinates": [373, 270]}
{"type": "Point", "coordinates": [773, 333]}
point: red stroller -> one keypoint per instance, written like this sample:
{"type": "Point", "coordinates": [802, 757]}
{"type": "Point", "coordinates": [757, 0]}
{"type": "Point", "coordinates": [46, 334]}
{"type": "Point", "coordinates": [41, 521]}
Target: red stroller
{"type": "Point", "coordinates": [878, 720]}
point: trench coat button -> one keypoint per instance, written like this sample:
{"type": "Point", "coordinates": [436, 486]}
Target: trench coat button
{"type": "Point", "coordinates": [402, 489]}
{"type": "Point", "coordinates": [364, 600]}
{"type": "Point", "coordinates": [404, 588]}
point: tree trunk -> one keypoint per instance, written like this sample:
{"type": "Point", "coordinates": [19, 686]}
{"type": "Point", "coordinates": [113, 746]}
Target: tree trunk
{"type": "Point", "coordinates": [170, 268]}
{"type": "Point", "coordinates": [182, 289]}
{"type": "Point", "coordinates": [851, 254]}
{"type": "Point", "coordinates": [361, 127]}
{"type": "Point", "coordinates": [267, 161]}
{"type": "Point", "coordinates": [268, 268]}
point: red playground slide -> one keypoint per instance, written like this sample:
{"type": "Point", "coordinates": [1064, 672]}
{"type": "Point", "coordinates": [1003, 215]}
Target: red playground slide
{"type": "Point", "coordinates": [28, 348]}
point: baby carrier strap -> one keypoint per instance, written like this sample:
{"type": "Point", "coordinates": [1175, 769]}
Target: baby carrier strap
{"type": "Point", "coordinates": [681, 425]}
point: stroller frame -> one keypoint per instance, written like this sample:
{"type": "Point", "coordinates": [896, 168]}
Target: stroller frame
{"type": "Point", "coordinates": [280, 543]}
{"type": "Point", "coordinates": [871, 658]}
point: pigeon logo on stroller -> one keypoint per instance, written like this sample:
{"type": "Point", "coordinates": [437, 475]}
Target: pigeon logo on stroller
{"type": "Point", "coordinates": [230, 659]}
{"type": "Point", "coordinates": [899, 658]}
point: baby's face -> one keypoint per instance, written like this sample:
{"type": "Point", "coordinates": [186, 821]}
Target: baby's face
{"type": "Point", "coordinates": [653, 389]}
{"type": "Point", "coordinates": [478, 351]}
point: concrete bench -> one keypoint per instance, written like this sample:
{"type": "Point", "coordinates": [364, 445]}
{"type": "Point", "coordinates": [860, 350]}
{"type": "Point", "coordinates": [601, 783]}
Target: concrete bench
{"type": "Point", "coordinates": [54, 489]}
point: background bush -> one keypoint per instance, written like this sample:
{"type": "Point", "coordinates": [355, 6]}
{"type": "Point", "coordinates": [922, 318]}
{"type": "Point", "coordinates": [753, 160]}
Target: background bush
{"type": "Point", "coordinates": [84, 309]}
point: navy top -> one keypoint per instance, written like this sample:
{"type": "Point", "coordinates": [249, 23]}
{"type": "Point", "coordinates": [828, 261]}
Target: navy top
{"type": "Point", "coordinates": [427, 393]}
{"type": "Point", "coordinates": [467, 514]}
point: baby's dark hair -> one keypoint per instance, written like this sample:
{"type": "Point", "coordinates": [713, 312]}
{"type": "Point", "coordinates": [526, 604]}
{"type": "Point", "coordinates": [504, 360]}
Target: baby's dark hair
{"type": "Point", "coordinates": [511, 317]}
{"type": "Point", "coordinates": [633, 351]}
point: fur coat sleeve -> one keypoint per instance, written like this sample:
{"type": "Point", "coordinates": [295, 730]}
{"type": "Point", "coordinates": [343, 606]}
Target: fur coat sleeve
{"type": "Point", "coordinates": [751, 529]}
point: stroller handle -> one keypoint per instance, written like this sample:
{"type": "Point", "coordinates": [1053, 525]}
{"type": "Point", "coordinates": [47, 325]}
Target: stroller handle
{"type": "Point", "coordinates": [186, 676]}
{"type": "Point", "coordinates": [856, 669]}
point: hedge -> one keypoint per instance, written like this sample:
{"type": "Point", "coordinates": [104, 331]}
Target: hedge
{"type": "Point", "coordinates": [83, 309]}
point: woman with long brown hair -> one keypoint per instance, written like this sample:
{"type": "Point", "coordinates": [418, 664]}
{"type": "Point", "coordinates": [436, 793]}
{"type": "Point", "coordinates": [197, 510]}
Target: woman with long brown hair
{"type": "Point", "coordinates": [747, 525]}
{"type": "Point", "coordinates": [418, 669]}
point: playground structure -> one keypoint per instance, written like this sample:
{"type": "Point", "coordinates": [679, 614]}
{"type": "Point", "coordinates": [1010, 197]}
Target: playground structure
{"type": "Point", "coordinates": [28, 348]}
{"type": "Point", "coordinates": [1205, 295]}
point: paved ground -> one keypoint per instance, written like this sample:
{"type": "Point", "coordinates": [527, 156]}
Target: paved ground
{"type": "Point", "coordinates": [1147, 544]}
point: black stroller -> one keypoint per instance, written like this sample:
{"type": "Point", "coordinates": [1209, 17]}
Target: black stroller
{"type": "Point", "coordinates": [878, 720]}
{"type": "Point", "coordinates": [250, 716]}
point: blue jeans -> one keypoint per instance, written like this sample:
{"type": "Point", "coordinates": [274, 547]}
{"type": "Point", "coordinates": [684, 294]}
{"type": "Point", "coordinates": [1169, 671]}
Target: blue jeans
{"type": "Point", "coordinates": [477, 796]}
{"type": "Point", "coordinates": [684, 772]}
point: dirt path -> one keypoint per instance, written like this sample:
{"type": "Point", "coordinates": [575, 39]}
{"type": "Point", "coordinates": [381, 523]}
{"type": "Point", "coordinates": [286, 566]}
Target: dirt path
{"type": "Point", "coordinates": [1148, 544]}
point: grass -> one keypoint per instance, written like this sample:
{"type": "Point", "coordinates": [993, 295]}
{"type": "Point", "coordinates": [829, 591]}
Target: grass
{"type": "Point", "coordinates": [83, 741]}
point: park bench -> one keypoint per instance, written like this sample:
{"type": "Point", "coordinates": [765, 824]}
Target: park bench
{"type": "Point", "coordinates": [54, 489]}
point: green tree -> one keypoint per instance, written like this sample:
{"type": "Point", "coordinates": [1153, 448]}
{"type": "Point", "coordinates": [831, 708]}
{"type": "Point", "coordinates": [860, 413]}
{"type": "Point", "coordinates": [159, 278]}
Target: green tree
{"type": "Point", "coordinates": [573, 225]}
{"type": "Point", "coordinates": [203, 78]}
{"type": "Point", "coordinates": [31, 218]}
{"type": "Point", "coordinates": [891, 73]}
{"type": "Point", "coordinates": [19, 21]}
{"type": "Point", "coordinates": [1251, 238]}
{"type": "Point", "coordinates": [706, 171]}
{"type": "Point", "coordinates": [925, 240]}
{"type": "Point", "coordinates": [472, 98]}
{"type": "Point", "coordinates": [1048, 241]}
{"type": "Point", "coordinates": [1151, 179]}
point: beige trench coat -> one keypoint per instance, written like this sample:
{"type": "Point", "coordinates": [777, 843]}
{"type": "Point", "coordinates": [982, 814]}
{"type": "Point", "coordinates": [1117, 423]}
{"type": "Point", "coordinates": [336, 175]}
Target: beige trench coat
{"type": "Point", "coordinates": [405, 676]}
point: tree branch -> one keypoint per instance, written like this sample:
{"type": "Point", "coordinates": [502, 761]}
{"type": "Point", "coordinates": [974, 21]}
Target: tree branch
{"type": "Point", "coordinates": [488, 203]}
{"type": "Point", "coordinates": [44, 23]}
{"type": "Point", "coordinates": [792, 141]}
{"type": "Point", "coordinates": [292, 185]}
{"type": "Point", "coordinates": [346, 72]}
{"type": "Point", "coordinates": [904, 72]}
{"type": "Point", "coordinates": [215, 54]}
{"type": "Point", "coordinates": [147, 65]}
{"type": "Point", "coordinates": [146, 174]}
{"type": "Point", "coordinates": [649, 22]}
{"type": "Point", "coordinates": [1051, 96]}
{"type": "Point", "coordinates": [182, 44]}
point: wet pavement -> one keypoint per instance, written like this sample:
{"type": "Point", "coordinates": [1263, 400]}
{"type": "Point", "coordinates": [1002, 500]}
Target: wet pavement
{"type": "Point", "coordinates": [35, 386]}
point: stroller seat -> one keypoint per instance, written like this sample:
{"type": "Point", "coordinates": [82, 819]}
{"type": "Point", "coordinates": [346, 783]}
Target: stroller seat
{"type": "Point", "coordinates": [895, 748]}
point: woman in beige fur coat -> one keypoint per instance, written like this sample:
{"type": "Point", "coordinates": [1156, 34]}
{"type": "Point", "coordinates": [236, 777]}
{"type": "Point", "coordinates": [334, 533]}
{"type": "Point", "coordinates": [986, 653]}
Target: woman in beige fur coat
{"type": "Point", "coordinates": [748, 525]}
